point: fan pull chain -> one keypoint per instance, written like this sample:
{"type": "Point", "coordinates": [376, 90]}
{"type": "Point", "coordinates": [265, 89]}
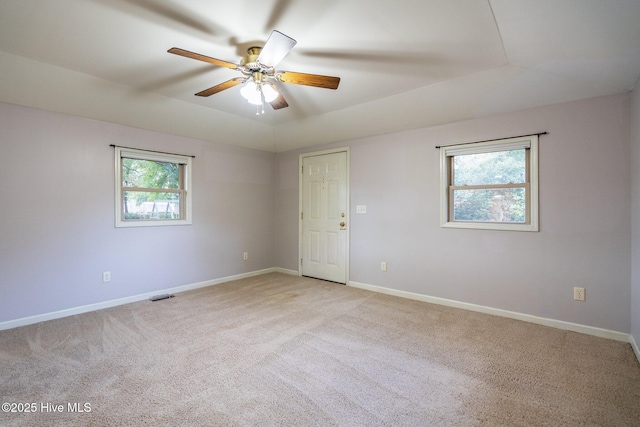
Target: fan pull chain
{"type": "Point", "coordinates": [261, 104]}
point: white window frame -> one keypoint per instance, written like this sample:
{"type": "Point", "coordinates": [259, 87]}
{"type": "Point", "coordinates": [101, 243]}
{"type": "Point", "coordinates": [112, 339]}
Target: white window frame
{"type": "Point", "coordinates": [121, 152]}
{"type": "Point", "coordinates": [447, 152]}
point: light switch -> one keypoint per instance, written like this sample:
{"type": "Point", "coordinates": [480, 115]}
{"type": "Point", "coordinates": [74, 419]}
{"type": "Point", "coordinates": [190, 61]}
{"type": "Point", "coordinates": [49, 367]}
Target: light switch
{"type": "Point", "coordinates": [361, 209]}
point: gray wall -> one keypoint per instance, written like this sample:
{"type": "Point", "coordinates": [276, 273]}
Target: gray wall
{"type": "Point", "coordinates": [57, 232]}
{"type": "Point", "coordinates": [635, 215]}
{"type": "Point", "coordinates": [585, 217]}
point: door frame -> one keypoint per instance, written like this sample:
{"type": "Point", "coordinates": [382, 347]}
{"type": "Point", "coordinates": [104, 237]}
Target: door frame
{"type": "Point", "coordinates": [301, 203]}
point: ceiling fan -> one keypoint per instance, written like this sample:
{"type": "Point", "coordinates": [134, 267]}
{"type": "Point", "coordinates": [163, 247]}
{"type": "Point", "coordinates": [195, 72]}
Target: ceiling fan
{"type": "Point", "coordinates": [259, 73]}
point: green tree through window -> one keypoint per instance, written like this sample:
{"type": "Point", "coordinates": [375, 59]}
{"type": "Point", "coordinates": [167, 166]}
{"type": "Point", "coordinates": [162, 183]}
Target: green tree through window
{"type": "Point", "coordinates": [152, 188]}
{"type": "Point", "coordinates": [146, 174]}
{"type": "Point", "coordinates": [488, 169]}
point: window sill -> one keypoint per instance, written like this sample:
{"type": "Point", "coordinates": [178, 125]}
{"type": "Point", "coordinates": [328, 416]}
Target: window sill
{"type": "Point", "coordinates": [490, 226]}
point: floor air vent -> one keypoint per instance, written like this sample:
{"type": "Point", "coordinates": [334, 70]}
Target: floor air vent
{"type": "Point", "coordinates": [160, 297]}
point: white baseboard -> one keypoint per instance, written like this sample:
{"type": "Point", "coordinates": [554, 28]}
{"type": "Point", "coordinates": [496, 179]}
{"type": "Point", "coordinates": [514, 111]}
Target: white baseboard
{"type": "Point", "coordinates": [287, 271]}
{"type": "Point", "coordinates": [120, 301]}
{"type": "Point", "coordinates": [634, 345]}
{"type": "Point", "coordinates": [575, 327]}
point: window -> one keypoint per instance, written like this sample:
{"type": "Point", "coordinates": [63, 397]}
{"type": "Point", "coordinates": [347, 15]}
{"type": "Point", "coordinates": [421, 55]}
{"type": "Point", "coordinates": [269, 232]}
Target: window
{"type": "Point", "coordinates": [490, 185]}
{"type": "Point", "coordinates": [152, 188]}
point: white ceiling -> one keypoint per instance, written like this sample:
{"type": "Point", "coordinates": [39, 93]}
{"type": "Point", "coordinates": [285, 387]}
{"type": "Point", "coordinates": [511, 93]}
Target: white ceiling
{"type": "Point", "coordinates": [402, 63]}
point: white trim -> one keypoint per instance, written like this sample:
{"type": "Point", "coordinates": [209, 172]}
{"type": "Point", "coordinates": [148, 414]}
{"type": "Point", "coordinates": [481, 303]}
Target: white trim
{"type": "Point", "coordinates": [559, 324]}
{"type": "Point", "coordinates": [301, 201]}
{"type": "Point", "coordinates": [487, 146]}
{"type": "Point", "coordinates": [634, 346]}
{"type": "Point", "coordinates": [134, 153]}
{"type": "Point", "coordinates": [287, 271]}
{"type": "Point", "coordinates": [120, 301]}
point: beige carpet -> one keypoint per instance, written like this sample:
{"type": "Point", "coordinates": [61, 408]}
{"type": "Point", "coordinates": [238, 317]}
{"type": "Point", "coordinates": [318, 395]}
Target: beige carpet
{"type": "Point", "coordinates": [279, 350]}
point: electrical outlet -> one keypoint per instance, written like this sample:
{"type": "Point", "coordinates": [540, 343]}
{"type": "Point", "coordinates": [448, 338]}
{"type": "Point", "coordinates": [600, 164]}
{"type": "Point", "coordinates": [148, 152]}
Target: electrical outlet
{"type": "Point", "coordinates": [383, 266]}
{"type": "Point", "coordinates": [578, 294]}
{"type": "Point", "coordinates": [246, 256]}
{"type": "Point", "coordinates": [106, 276]}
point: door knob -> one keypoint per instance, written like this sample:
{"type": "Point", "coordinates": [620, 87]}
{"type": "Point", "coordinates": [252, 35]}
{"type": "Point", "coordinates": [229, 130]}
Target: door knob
{"type": "Point", "coordinates": [342, 224]}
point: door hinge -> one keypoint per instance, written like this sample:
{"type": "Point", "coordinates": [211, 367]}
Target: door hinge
{"type": "Point", "coordinates": [301, 215]}
{"type": "Point", "coordinates": [302, 169]}
{"type": "Point", "coordinates": [301, 261]}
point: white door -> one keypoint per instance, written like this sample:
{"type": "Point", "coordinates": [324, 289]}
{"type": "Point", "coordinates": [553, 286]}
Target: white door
{"type": "Point", "coordinates": [324, 216]}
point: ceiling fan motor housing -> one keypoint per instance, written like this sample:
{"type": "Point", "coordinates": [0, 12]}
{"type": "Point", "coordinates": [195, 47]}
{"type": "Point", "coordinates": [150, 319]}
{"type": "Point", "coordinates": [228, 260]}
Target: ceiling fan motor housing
{"type": "Point", "coordinates": [250, 59]}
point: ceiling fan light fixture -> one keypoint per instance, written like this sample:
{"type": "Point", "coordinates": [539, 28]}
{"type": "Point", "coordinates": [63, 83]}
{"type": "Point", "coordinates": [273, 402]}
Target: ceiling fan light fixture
{"type": "Point", "coordinates": [256, 99]}
{"type": "Point", "coordinates": [251, 92]}
{"type": "Point", "coordinates": [270, 94]}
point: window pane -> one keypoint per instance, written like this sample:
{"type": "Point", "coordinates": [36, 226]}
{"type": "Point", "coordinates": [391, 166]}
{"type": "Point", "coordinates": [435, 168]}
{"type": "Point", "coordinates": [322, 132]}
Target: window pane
{"type": "Point", "coordinates": [490, 205]}
{"type": "Point", "coordinates": [149, 205]}
{"type": "Point", "coordinates": [500, 167]}
{"type": "Point", "coordinates": [150, 174]}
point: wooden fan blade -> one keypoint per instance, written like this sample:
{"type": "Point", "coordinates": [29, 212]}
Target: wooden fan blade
{"type": "Point", "coordinates": [279, 102]}
{"type": "Point", "coordinates": [222, 86]}
{"type": "Point", "coordinates": [199, 57]}
{"type": "Point", "coordinates": [278, 45]}
{"type": "Point", "coordinates": [316, 80]}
